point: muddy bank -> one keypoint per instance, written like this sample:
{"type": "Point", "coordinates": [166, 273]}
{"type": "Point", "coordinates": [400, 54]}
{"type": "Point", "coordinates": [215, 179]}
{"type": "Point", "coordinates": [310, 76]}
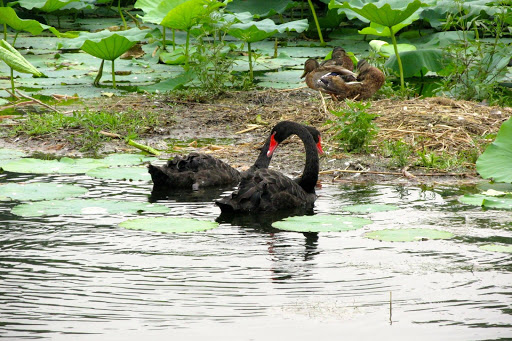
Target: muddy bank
{"type": "Point", "coordinates": [234, 127]}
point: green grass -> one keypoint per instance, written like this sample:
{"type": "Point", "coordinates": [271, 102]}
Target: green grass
{"type": "Point", "coordinates": [83, 128]}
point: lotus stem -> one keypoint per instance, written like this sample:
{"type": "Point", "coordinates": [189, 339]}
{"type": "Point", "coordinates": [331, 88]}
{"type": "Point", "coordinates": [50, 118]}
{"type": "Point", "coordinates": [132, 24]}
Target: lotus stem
{"type": "Point", "coordinates": [316, 23]}
{"type": "Point", "coordinates": [186, 49]}
{"type": "Point", "coordinates": [122, 16]}
{"type": "Point", "coordinates": [12, 83]}
{"type": "Point", "coordinates": [144, 148]}
{"type": "Point", "coordinates": [251, 74]}
{"type": "Point", "coordinates": [113, 75]}
{"type": "Point", "coordinates": [163, 41]}
{"type": "Point", "coordinates": [173, 39]}
{"type": "Point", "coordinates": [100, 73]}
{"type": "Point", "coordinates": [5, 32]}
{"type": "Point", "coordinates": [395, 46]}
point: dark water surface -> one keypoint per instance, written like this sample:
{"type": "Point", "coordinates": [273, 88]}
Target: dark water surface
{"type": "Point", "coordinates": [82, 277]}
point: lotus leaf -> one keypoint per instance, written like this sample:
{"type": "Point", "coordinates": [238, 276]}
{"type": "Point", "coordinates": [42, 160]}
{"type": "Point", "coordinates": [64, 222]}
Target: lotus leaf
{"type": "Point", "coordinates": [497, 248]}
{"type": "Point", "coordinates": [189, 13]}
{"type": "Point", "coordinates": [40, 191]}
{"type": "Point", "coordinates": [416, 63]}
{"type": "Point", "coordinates": [120, 173]}
{"type": "Point", "coordinates": [321, 223]}
{"type": "Point", "coordinates": [260, 8]}
{"type": "Point", "coordinates": [408, 235]}
{"type": "Point", "coordinates": [385, 49]}
{"type": "Point", "coordinates": [85, 207]}
{"type": "Point", "coordinates": [384, 31]}
{"type": "Point", "coordinates": [45, 5]}
{"type": "Point", "coordinates": [504, 202]}
{"type": "Point", "coordinates": [171, 83]}
{"type": "Point", "coordinates": [133, 35]}
{"type": "Point", "coordinates": [169, 224]}
{"type": "Point", "coordinates": [495, 161]}
{"type": "Point", "coordinates": [63, 166]}
{"type": "Point", "coordinates": [370, 208]}
{"type": "Point", "coordinates": [254, 31]}
{"type": "Point", "coordinates": [8, 16]}
{"type": "Point", "coordinates": [126, 159]}
{"type": "Point", "coordinates": [7, 154]}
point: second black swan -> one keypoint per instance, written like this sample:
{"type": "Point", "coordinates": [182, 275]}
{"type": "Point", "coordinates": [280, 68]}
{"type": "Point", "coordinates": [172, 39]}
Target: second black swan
{"type": "Point", "coordinates": [269, 190]}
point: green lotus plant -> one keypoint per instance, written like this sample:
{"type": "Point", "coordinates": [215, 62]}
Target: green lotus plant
{"type": "Point", "coordinates": [106, 46]}
{"type": "Point", "coordinates": [187, 14]}
{"type": "Point", "coordinates": [16, 61]}
{"type": "Point", "coordinates": [254, 31]}
{"type": "Point", "coordinates": [388, 17]}
{"type": "Point", "coordinates": [495, 161]}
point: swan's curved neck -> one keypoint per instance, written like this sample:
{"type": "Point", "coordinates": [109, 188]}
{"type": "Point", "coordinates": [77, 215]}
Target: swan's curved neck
{"type": "Point", "coordinates": [310, 174]}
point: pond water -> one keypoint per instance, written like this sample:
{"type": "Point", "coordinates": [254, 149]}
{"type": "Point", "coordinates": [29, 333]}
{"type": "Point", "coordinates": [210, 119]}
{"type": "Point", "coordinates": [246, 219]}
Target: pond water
{"type": "Point", "coordinates": [83, 277]}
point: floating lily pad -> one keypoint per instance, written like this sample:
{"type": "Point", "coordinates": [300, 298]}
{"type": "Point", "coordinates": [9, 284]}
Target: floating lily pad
{"type": "Point", "coordinates": [85, 207]}
{"type": "Point", "coordinates": [63, 166]}
{"type": "Point", "coordinates": [497, 248]}
{"type": "Point", "coordinates": [7, 154]}
{"type": "Point", "coordinates": [408, 235]}
{"type": "Point", "coordinates": [169, 224]}
{"type": "Point", "coordinates": [39, 191]}
{"type": "Point", "coordinates": [370, 208]}
{"type": "Point", "coordinates": [126, 159]}
{"type": "Point", "coordinates": [120, 173]}
{"type": "Point", "coordinates": [504, 202]}
{"type": "Point", "coordinates": [321, 223]}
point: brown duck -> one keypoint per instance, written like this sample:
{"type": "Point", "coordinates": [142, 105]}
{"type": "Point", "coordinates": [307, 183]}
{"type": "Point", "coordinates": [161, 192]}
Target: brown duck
{"type": "Point", "coordinates": [333, 80]}
{"type": "Point", "coordinates": [339, 58]}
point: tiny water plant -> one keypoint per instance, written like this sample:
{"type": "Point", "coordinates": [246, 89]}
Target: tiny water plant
{"type": "Point", "coordinates": [353, 127]}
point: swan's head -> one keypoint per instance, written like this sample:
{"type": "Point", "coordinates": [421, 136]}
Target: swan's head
{"type": "Point", "coordinates": [281, 131]}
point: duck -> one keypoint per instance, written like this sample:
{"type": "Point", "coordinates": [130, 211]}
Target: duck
{"type": "Point", "coordinates": [333, 81]}
{"type": "Point", "coordinates": [339, 57]}
{"type": "Point", "coordinates": [196, 170]}
{"type": "Point", "coordinates": [269, 190]}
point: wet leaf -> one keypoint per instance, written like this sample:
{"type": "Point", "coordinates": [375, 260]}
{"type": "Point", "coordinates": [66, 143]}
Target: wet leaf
{"type": "Point", "coordinates": [504, 202]}
{"type": "Point", "coordinates": [168, 224]}
{"type": "Point", "coordinates": [370, 208]}
{"type": "Point", "coordinates": [40, 191]}
{"type": "Point", "coordinates": [85, 207]}
{"type": "Point", "coordinates": [497, 248]}
{"type": "Point", "coordinates": [120, 173]}
{"type": "Point", "coordinates": [321, 223]}
{"type": "Point", "coordinates": [496, 160]}
{"type": "Point", "coordinates": [126, 159]}
{"type": "Point", "coordinates": [408, 235]}
{"type": "Point", "coordinates": [63, 166]}
{"type": "Point", "coordinates": [8, 154]}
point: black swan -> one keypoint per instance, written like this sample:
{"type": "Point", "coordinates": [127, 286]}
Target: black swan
{"type": "Point", "coordinates": [269, 190]}
{"type": "Point", "coordinates": [196, 170]}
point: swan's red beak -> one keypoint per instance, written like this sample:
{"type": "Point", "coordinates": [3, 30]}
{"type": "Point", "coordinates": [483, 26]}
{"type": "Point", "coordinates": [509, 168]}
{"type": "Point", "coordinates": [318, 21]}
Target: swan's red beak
{"type": "Point", "coordinates": [319, 145]}
{"type": "Point", "coordinates": [273, 145]}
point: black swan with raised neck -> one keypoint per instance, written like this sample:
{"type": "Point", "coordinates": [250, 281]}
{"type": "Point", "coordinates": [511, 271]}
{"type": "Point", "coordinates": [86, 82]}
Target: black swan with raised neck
{"type": "Point", "coordinates": [196, 170]}
{"type": "Point", "coordinates": [263, 189]}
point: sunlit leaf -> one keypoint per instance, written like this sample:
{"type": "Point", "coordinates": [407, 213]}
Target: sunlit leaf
{"type": "Point", "coordinates": [169, 224]}
{"type": "Point", "coordinates": [496, 160]}
{"type": "Point", "coordinates": [108, 48]}
{"type": "Point", "coordinates": [40, 191]}
{"type": "Point", "coordinates": [133, 35]}
{"type": "Point", "coordinates": [190, 13]}
{"type": "Point", "coordinates": [497, 248]}
{"type": "Point", "coordinates": [385, 49]}
{"type": "Point", "coordinates": [321, 223]}
{"type": "Point", "coordinates": [85, 207]}
{"type": "Point", "coordinates": [503, 202]}
{"type": "Point", "coordinates": [156, 10]}
{"type": "Point", "coordinates": [45, 5]}
{"type": "Point", "coordinates": [62, 166]}
{"type": "Point", "coordinates": [254, 31]}
{"type": "Point", "coordinates": [383, 31]}
{"type": "Point", "coordinates": [8, 16]}
{"type": "Point", "coordinates": [408, 235]}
